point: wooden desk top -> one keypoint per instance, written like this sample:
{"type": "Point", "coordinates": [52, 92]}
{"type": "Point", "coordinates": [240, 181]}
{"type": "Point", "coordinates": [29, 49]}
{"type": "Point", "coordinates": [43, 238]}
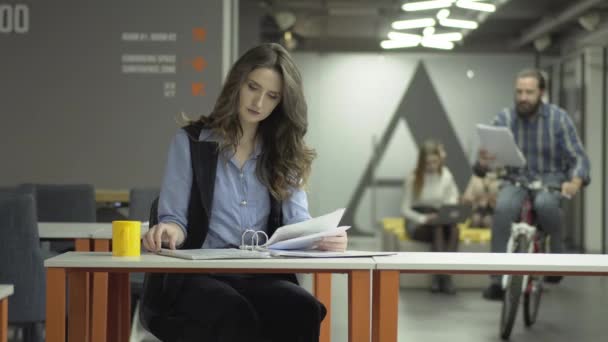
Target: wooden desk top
{"type": "Point", "coordinates": [109, 196]}
{"type": "Point", "coordinates": [71, 230]}
{"type": "Point", "coordinates": [493, 263]}
{"type": "Point", "coordinates": [105, 260]}
{"type": "Point", "coordinates": [6, 290]}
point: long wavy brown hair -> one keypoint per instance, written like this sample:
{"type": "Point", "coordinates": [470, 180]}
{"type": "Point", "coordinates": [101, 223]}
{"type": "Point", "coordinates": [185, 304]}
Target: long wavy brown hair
{"type": "Point", "coordinates": [285, 161]}
{"type": "Point", "coordinates": [429, 147]}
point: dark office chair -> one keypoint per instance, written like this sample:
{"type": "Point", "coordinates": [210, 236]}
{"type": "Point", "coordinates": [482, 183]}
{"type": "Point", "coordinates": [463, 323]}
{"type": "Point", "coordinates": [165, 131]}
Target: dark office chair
{"type": "Point", "coordinates": [140, 200]}
{"type": "Point", "coordinates": [21, 264]}
{"type": "Point", "coordinates": [62, 203]}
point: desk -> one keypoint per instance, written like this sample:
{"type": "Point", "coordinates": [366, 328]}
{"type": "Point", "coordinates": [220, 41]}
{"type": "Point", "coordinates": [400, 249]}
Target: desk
{"type": "Point", "coordinates": [88, 236]}
{"type": "Point", "coordinates": [75, 266]}
{"type": "Point", "coordinates": [5, 291]}
{"type": "Point", "coordinates": [100, 242]}
{"type": "Point", "coordinates": [80, 232]}
{"type": "Point", "coordinates": [386, 275]}
{"type": "Point", "coordinates": [111, 196]}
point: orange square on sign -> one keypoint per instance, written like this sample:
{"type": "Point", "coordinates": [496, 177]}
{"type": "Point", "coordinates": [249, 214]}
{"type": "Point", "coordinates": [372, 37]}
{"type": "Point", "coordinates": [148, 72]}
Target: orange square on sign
{"type": "Point", "coordinates": [199, 34]}
{"type": "Point", "coordinates": [199, 64]}
{"type": "Point", "coordinates": [198, 89]}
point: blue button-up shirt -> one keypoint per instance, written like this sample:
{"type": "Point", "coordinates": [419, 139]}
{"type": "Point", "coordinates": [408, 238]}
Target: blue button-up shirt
{"type": "Point", "coordinates": [240, 200]}
{"type": "Point", "coordinates": [549, 142]}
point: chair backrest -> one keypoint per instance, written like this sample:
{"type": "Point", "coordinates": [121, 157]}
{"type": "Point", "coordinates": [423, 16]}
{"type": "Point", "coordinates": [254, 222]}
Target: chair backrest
{"type": "Point", "coordinates": [21, 262]}
{"type": "Point", "coordinates": [140, 201]}
{"type": "Point", "coordinates": [63, 202]}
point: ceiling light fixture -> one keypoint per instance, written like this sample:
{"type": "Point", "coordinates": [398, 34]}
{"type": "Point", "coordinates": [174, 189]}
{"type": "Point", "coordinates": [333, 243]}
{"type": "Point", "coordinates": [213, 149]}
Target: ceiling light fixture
{"type": "Point", "coordinates": [476, 6]}
{"type": "Point", "coordinates": [449, 37]}
{"type": "Point", "coordinates": [443, 14]}
{"type": "Point", "coordinates": [413, 23]}
{"type": "Point", "coordinates": [428, 31]}
{"type": "Point", "coordinates": [458, 23]}
{"type": "Point", "coordinates": [414, 38]}
{"type": "Point", "coordinates": [437, 43]}
{"type": "Point", "coordinates": [397, 44]}
{"type": "Point", "coordinates": [426, 5]}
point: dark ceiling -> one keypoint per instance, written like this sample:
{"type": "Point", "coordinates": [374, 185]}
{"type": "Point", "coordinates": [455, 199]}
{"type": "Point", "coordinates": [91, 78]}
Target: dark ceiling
{"type": "Point", "coordinates": [360, 25]}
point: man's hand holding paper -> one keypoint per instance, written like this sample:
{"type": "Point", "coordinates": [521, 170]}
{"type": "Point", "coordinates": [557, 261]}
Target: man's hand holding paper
{"type": "Point", "coordinates": [499, 147]}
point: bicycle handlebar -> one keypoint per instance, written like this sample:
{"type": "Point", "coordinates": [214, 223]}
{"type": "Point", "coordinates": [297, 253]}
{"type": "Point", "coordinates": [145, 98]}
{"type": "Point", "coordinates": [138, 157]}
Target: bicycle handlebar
{"type": "Point", "coordinates": [533, 186]}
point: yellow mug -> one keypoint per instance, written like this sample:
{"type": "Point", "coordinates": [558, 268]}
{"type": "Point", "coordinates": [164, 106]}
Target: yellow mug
{"type": "Point", "coordinates": [126, 238]}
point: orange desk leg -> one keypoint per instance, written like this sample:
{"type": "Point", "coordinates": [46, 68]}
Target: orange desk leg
{"type": "Point", "coordinates": [78, 306]}
{"type": "Point", "coordinates": [99, 297]}
{"type": "Point", "coordinates": [322, 290]}
{"type": "Point", "coordinates": [119, 307]}
{"type": "Point", "coordinates": [55, 305]}
{"type": "Point", "coordinates": [385, 307]}
{"type": "Point", "coordinates": [83, 245]}
{"type": "Point", "coordinates": [359, 306]}
{"type": "Point", "coordinates": [4, 320]}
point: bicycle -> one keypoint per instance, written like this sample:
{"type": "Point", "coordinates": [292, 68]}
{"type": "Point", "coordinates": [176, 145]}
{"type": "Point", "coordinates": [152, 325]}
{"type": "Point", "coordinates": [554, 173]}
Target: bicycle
{"type": "Point", "coordinates": [526, 237]}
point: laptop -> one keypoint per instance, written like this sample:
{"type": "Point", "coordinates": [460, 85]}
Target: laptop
{"type": "Point", "coordinates": [453, 214]}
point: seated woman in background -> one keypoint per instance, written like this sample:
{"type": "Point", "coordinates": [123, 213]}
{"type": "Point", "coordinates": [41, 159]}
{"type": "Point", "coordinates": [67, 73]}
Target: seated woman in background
{"type": "Point", "coordinates": [430, 186]}
{"type": "Point", "coordinates": [481, 194]}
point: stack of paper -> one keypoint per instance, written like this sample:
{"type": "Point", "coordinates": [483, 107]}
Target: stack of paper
{"type": "Point", "coordinates": [499, 142]}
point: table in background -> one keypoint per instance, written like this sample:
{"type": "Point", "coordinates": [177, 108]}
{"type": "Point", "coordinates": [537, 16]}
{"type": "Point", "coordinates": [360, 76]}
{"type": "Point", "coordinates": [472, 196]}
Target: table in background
{"type": "Point", "coordinates": [111, 196]}
{"type": "Point", "coordinates": [5, 292]}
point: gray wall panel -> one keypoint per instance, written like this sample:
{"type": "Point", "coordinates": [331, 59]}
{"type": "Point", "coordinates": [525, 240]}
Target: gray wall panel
{"type": "Point", "coordinates": [70, 114]}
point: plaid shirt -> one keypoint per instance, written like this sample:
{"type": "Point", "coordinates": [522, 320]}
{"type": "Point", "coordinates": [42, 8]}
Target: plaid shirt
{"type": "Point", "coordinates": [549, 141]}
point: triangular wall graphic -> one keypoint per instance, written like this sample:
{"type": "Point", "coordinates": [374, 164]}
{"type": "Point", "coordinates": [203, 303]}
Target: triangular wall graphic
{"type": "Point", "coordinates": [426, 118]}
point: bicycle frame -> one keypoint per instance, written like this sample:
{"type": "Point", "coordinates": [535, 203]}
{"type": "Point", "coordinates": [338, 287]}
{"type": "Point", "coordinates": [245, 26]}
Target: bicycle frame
{"type": "Point", "coordinates": [526, 227]}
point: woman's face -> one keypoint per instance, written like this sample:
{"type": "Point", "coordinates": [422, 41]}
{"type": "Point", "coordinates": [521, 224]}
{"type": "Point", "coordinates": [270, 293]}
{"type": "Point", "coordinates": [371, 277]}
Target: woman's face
{"type": "Point", "coordinates": [432, 162]}
{"type": "Point", "coordinates": [259, 95]}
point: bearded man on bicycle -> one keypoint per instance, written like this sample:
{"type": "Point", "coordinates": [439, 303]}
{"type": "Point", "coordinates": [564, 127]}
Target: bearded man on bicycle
{"type": "Point", "coordinates": [555, 155]}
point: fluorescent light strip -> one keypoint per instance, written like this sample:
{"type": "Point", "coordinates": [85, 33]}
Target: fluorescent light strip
{"type": "Point", "coordinates": [457, 23]}
{"type": "Point", "coordinates": [426, 5]}
{"type": "Point", "coordinates": [443, 14]}
{"type": "Point", "coordinates": [414, 23]}
{"type": "Point", "coordinates": [397, 44]}
{"type": "Point", "coordinates": [437, 44]}
{"type": "Point", "coordinates": [477, 6]}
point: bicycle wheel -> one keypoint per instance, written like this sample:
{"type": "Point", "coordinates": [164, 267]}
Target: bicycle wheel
{"type": "Point", "coordinates": [510, 302]}
{"type": "Point", "coordinates": [532, 299]}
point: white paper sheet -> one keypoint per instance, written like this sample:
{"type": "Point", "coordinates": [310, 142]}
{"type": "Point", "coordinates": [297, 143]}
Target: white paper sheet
{"type": "Point", "coordinates": [499, 141]}
{"type": "Point", "coordinates": [210, 253]}
{"type": "Point", "coordinates": [313, 226]}
{"type": "Point", "coordinates": [306, 241]}
{"type": "Point", "coordinates": [323, 254]}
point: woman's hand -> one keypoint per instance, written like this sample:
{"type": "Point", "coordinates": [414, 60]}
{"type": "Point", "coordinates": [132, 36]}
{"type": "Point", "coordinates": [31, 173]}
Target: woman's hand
{"type": "Point", "coordinates": [167, 233]}
{"type": "Point", "coordinates": [333, 243]}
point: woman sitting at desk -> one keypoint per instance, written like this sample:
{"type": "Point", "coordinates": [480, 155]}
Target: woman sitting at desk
{"type": "Point", "coordinates": [430, 186]}
{"type": "Point", "coordinates": [242, 167]}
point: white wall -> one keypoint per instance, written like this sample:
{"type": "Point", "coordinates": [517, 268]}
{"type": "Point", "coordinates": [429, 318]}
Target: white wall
{"type": "Point", "coordinates": [594, 123]}
{"type": "Point", "coordinates": [352, 96]}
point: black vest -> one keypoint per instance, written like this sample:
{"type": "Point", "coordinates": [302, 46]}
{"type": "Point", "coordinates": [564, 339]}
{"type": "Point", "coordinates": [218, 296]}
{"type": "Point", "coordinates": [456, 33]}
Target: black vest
{"type": "Point", "coordinates": [160, 290]}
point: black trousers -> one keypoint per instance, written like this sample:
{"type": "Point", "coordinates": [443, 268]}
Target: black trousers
{"type": "Point", "coordinates": [232, 307]}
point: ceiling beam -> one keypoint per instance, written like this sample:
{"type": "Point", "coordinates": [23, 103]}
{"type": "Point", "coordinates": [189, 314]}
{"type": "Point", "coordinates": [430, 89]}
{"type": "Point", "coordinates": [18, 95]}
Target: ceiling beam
{"type": "Point", "coordinates": [582, 38]}
{"type": "Point", "coordinates": [549, 25]}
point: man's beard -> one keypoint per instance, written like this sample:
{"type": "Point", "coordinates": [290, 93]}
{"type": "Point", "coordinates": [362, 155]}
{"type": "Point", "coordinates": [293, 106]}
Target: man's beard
{"type": "Point", "coordinates": [527, 109]}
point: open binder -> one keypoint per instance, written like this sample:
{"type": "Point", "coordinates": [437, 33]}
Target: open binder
{"type": "Point", "coordinates": [296, 240]}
